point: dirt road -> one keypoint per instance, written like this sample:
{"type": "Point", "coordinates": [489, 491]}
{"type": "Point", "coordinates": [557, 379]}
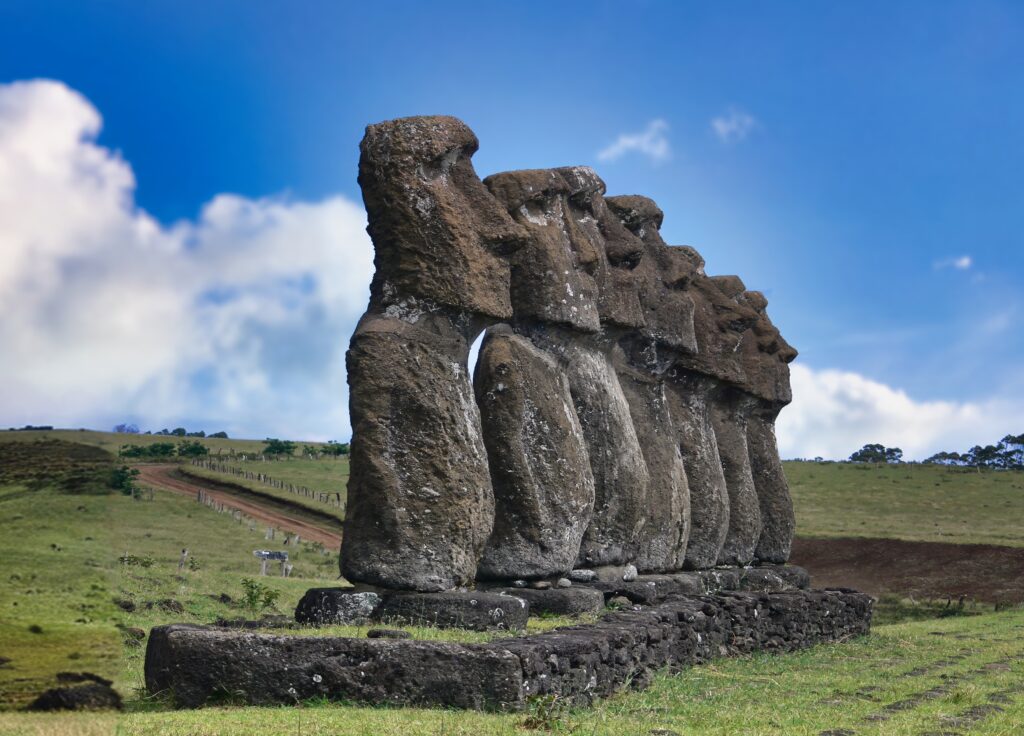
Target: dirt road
{"type": "Point", "coordinates": [280, 515]}
{"type": "Point", "coordinates": [925, 570]}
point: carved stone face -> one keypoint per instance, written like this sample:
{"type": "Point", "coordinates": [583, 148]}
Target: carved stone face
{"type": "Point", "coordinates": [661, 277]}
{"type": "Point", "coordinates": [438, 233]}
{"type": "Point", "coordinates": [766, 355]}
{"type": "Point", "coordinates": [553, 274]}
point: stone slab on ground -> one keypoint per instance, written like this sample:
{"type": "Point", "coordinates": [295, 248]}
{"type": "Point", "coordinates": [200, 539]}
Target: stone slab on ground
{"type": "Point", "coordinates": [326, 606]}
{"type": "Point", "coordinates": [560, 601]}
{"type": "Point", "coordinates": [477, 610]}
{"type": "Point", "coordinates": [196, 665]}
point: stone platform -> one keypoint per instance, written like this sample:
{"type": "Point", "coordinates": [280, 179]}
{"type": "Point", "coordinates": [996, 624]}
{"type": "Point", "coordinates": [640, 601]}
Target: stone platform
{"type": "Point", "coordinates": [197, 665]}
{"type": "Point", "coordinates": [497, 606]}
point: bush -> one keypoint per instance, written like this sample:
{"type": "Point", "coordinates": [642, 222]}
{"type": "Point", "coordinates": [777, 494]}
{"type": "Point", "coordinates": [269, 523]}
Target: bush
{"type": "Point", "coordinates": [258, 596]}
{"type": "Point", "coordinates": [123, 479]}
{"type": "Point", "coordinates": [279, 447]}
{"type": "Point", "coordinates": [192, 448]}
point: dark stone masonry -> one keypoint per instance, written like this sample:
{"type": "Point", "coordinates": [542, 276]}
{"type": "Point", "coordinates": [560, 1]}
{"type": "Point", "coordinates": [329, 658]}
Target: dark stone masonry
{"type": "Point", "coordinates": [613, 448]}
{"type": "Point", "coordinates": [197, 665]}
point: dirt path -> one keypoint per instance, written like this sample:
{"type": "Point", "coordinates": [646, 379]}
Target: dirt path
{"type": "Point", "coordinates": [280, 515]}
{"type": "Point", "coordinates": [925, 570]}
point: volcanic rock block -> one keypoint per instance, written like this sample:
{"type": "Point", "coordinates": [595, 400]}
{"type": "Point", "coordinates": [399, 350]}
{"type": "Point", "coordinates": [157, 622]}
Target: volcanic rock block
{"type": "Point", "coordinates": [195, 665]}
{"type": "Point", "coordinates": [543, 486]}
{"type": "Point", "coordinates": [476, 610]}
{"type": "Point", "coordinates": [560, 601]}
{"type": "Point", "coordinates": [325, 606]}
{"type": "Point", "coordinates": [91, 696]}
{"type": "Point", "coordinates": [420, 499]}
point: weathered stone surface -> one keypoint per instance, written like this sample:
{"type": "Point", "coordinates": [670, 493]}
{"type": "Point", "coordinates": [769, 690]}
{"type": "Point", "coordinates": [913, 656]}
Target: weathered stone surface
{"type": "Point", "coordinates": [477, 610]}
{"type": "Point", "coordinates": [561, 601]}
{"type": "Point", "coordinates": [766, 358]}
{"type": "Point", "coordinates": [689, 395]}
{"type": "Point", "coordinates": [439, 237]}
{"type": "Point", "coordinates": [570, 278]}
{"type": "Point", "coordinates": [540, 471]}
{"type": "Point", "coordinates": [91, 696]}
{"type": "Point", "coordinates": [777, 516]}
{"type": "Point", "coordinates": [420, 503]}
{"type": "Point", "coordinates": [661, 543]}
{"type": "Point", "coordinates": [388, 634]}
{"type": "Point", "coordinates": [730, 412]}
{"type": "Point", "coordinates": [325, 606]}
{"type": "Point", "coordinates": [616, 458]}
{"type": "Point", "coordinates": [195, 665]}
{"type": "Point", "coordinates": [577, 664]}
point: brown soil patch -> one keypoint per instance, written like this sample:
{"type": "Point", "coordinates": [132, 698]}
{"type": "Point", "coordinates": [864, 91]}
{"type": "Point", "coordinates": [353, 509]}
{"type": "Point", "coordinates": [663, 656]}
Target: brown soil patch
{"type": "Point", "coordinates": [278, 514]}
{"type": "Point", "coordinates": [924, 570]}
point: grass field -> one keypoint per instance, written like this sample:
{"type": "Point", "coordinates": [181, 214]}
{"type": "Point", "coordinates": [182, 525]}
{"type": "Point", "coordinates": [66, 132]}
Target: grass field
{"type": "Point", "coordinates": [111, 441]}
{"type": "Point", "coordinates": [62, 609]}
{"type": "Point", "coordinates": [916, 502]}
{"type": "Point", "coordinates": [327, 475]}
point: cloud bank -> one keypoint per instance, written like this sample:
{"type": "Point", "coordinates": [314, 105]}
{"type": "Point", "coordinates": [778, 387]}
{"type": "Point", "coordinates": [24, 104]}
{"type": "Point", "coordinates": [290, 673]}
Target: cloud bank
{"type": "Point", "coordinates": [236, 320]}
{"type": "Point", "coordinates": [651, 142]}
{"type": "Point", "coordinates": [239, 320]}
{"type": "Point", "coordinates": [836, 412]}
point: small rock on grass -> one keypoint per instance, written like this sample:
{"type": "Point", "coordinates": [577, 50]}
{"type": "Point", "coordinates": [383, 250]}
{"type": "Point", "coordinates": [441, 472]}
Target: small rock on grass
{"type": "Point", "coordinates": [388, 634]}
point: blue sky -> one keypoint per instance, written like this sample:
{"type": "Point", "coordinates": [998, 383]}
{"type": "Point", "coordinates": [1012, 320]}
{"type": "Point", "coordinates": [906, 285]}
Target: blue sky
{"type": "Point", "coordinates": [858, 162]}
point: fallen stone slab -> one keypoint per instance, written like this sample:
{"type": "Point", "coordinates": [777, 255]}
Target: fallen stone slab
{"type": "Point", "coordinates": [198, 665]}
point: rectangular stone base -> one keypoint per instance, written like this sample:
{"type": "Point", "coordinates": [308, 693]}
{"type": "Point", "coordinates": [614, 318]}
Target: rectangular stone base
{"type": "Point", "coordinates": [476, 610]}
{"type": "Point", "coordinates": [200, 665]}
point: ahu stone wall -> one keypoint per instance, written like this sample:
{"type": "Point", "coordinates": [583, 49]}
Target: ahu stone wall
{"type": "Point", "coordinates": [196, 665]}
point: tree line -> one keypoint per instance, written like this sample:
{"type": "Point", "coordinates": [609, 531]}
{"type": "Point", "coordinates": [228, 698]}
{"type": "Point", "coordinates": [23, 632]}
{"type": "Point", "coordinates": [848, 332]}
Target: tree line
{"type": "Point", "coordinates": [1007, 454]}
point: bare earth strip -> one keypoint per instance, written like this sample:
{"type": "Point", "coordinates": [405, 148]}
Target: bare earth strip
{"type": "Point", "coordinates": [166, 477]}
{"type": "Point", "coordinates": [927, 570]}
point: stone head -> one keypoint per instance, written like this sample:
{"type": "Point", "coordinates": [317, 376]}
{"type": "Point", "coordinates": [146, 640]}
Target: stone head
{"type": "Point", "coordinates": [438, 233]}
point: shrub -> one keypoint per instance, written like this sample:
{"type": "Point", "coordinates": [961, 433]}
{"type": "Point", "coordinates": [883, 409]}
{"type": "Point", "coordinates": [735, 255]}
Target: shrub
{"type": "Point", "coordinates": [258, 596]}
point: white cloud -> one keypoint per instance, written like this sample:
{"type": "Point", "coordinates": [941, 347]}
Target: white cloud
{"type": "Point", "coordinates": [651, 143]}
{"type": "Point", "coordinates": [836, 412]}
{"type": "Point", "coordinates": [237, 320]}
{"type": "Point", "coordinates": [733, 126]}
{"type": "Point", "coordinates": [960, 263]}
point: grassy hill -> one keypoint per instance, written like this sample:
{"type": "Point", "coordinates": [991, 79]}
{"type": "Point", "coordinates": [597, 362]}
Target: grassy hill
{"type": "Point", "coordinates": [112, 441]}
{"type": "Point", "coordinates": [83, 569]}
{"type": "Point", "coordinates": [914, 502]}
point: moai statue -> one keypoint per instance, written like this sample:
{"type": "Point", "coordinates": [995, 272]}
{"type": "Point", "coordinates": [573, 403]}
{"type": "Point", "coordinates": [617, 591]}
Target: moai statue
{"type": "Point", "coordinates": [731, 408]}
{"type": "Point", "coordinates": [421, 505]}
{"type": "Point", "coordinates": [572, 295]}
{"type": "Point", "coordinates": [641, 361]}
{"type": "Point", "coordinates": [540, 469]}
{"type": "Point", "coordinates": [766, 359]}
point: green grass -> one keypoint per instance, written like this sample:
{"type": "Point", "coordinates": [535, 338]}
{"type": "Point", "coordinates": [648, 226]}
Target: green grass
{"type": "Point", "coordinates": [914, 502]}
{"type": "Point", "coordinates": [980, 660]}
{"type": "Point", "coordinates": [112, 441]}
{"type": "Point", "coordinates": [68, 590]}
{"type": "Point", "coordinates": [62, 574]}
{"type": "Point", "coordinates": [317, 475]}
